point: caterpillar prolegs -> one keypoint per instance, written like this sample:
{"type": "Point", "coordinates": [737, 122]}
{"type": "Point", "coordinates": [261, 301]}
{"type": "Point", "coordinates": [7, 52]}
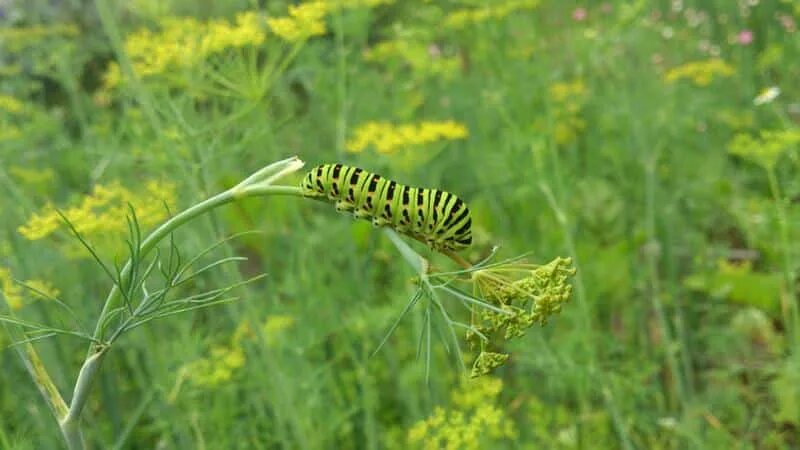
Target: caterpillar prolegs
{"type": "Point", "coordinates": [435, 217]}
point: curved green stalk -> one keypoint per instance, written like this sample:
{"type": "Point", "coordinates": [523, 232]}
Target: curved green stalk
{"type": "Point", "coordinates": [258, 184]}
{"type": "Point", "coordinates": [255, 185]}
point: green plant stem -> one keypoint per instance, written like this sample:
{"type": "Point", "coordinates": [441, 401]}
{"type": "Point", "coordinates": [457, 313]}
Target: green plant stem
{"type": "Point", "coordinates": [652, 256]}
{"type": "Point", "coordinates": [113, 299]}
{"type": "Point", "coordinates": [791, 322]}
{"type": "Point", "coordinates": [545, 185]}
{"type": "Point", "coordinates": [70, 424]}
{"type": "Point", "coordinates": [85, 375]}
{"type": "Point", "coordinates": [43, 381]}
{"type": "Point", "coordinates": [341, 83]}
{"type": "Point", "coordinates": [252, 186]}
{"type": "Point", "coordinates": [112, 31]}
{"type": "Point", "coordinates": [258, 184]}
{"type": "Point", "coordinates": [37, 371]}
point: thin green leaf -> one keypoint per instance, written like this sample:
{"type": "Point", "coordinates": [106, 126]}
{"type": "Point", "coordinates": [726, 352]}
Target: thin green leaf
{"type": "Point", "coordinates": [407, 252]}
{"type": "Point", "coordinates": [449, 322]}
{"type": "Point", "coordinates": [473, 300]}
{"type": "Point", "coordinates": [403, 313]}
{"type": "Point", "coordinates": [39, 328]}
{"type": "Point", "coordinates": [53, 299]}
{"type": "Point", "coordinates": [88, 247]}
{"type": "Point", "coordinates": [210, 248]}
{"type": "Point", "coordinates": [179, 311]}
{"type": "Point", "coordinates": [211, 266]}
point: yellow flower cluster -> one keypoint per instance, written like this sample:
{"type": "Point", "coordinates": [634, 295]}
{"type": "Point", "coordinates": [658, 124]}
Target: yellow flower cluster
{"type": "Point", "coordinates": [475, 421]}
{"type": "Point", "coordinates": [476, 393]}
{"type": "Point", "coordinates": [274, 327]}
{"type": "Point", "coordinates": [13, 291]}
{"type": "Point", "coordinates": [304, 21]}
{"type": "Point", "coordinates": [346, 4]}
{"type": "Point", "coordinates": [737, 119]}
{"type": "Point", "coordinates": [563, 92]}
{"type": "Point", "coordinates": [11, 105]}
{"type": "Point", "coordinates": [492, 11]}
{"type": "Point", "coordinates": [701, 73]}
{"type": "Point", "coordinates": [185, 42]}
{"type": "Point", "coordinates": [308, 18]}
{"type": "Point", "coordinates": [389, 138]}
{"type": "Point", "coordinates": [43, 289]}
{"type": "Point", "coordinates": [20, 118]}
{"type": "Point", "coordinates": [34, 180]}
{"type": "Point", "coordinates": [568, 100]}
{"type": "Point", "coordinates": [224, 360]}
{"type": "Point", "coordinates": [218, 367]}
{"type": "Point", "coordinates": [271, 329]}
{"type": "Point", "coordinates": [102, 214]}
{"type": "Point", "coordinates": [767, 149]}
{"type": "Point", "coordinates": [38, 31]}
{"type": "Point", "coordinates": [18, 38]}
{"type": "Point", "coordinates": [10, 133]}
{"type": "Point", "coordinates": [552, 425]}
{"type": "Point", "coordinates": [418, 55]}
{"type": "Point", "coordinates": [529, 294]}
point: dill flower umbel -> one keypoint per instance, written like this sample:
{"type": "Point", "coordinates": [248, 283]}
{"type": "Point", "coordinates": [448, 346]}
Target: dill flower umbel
{"type": "Point", "coordinates": [275, 326]}
{"type": "Point", "coordinates": [42, 289]}
{"type": "Point", "coordinates": [11, 105]}
{"type": "Point", "coordinates": [10, 133]}
{"type": "Point", "coordinates": [766, 149]}
{"type": "Point", "coordinates": [102, 215]}
{"type": "Point", "coordinates": [225, 360]}
{"type": "Point", "coordinates": [701, 73]}
{"type": "Point", "coordinates": [182, 42]}
{"type": "Point", "coordinates": [417, 55]}
{"type": "Point", "coordinates": [304, 21]}
{"type": "Point", "coordinates": [564, 91]}
{"type": "Point", "coordinates": [389, 138]}
{"type": "Point", "coordinates": [15, 293]}
{"type": "Point", "coordinates": [307, 19]}
{"type": "Point", "coordinates": [216, 369]}
{"type": "Point", "coordinates": [35, 180]}
{"type": "Point", "coordinates": [17, 39]}
{"type": "Point", "coordinates": [474, 421]}
{"type": "Point", "coordinates": [11, 291]}
{"type": "Point", "coordinates": [525, 294]}
{"type": "Point", "coordinates": [492, 11]}
{"type": "Point", "coordinates": [568, 99]}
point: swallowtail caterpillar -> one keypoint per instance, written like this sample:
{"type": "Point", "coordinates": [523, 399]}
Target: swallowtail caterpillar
{"type": "Point", "coordinates": [438, 218]}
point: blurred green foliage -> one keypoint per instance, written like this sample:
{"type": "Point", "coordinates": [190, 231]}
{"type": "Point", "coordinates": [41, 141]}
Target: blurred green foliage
{"type": "Point", "coordinates": [653, 142]}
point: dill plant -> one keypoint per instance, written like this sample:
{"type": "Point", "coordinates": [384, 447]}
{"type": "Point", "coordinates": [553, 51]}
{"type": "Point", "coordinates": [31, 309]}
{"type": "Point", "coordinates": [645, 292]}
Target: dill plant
{"type": "Point", "coordinates": [766, 151]}
{"type": "Point", "coordinates": [503, 300]}
{"type": "Point", "coordinates": [507, 298]}
{"type": "Point", "coordinates": [500, 300]}
{"type": "Point", "coordinates": [474, 421]}
{"type": "Point", "coordinates": [133, 300]}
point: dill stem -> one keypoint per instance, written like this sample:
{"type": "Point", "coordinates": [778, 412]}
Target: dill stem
{"type": "Point", "coordinates": [458, 259]}
{"type": "Point", "coordinates": [790, 310]}
{"type": "Point", "coordinates": [652, 256]}
{"type": "Point", "coordinates": [258, 184]}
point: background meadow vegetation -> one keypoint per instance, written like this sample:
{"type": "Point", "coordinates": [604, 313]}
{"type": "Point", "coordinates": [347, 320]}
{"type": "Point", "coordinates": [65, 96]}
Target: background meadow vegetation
{"type": "Point", "coordinates": [654, 142]}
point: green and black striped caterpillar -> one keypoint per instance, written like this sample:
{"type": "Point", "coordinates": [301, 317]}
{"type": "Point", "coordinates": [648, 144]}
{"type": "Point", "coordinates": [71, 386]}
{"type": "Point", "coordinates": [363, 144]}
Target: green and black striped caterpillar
{"type": "Point", "coordinates": [435, 217]}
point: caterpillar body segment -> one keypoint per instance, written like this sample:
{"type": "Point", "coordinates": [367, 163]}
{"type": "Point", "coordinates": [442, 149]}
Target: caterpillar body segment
{"type": "Point", "coordinates": [436, 217]}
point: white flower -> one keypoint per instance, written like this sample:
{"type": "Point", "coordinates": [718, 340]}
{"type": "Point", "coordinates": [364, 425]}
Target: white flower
{"type": "Point", "coordinates": [767, 95]}
{"type": "Point", "coordinates": [667, 422]}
